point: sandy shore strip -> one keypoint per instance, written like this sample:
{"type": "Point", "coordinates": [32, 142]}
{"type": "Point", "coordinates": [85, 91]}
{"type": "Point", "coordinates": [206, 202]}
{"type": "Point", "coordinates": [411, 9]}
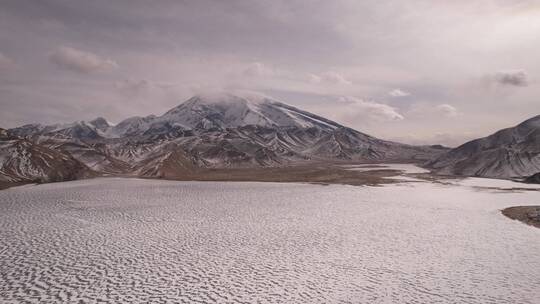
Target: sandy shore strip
{"type": "Point", "coordinates": [315, 173]}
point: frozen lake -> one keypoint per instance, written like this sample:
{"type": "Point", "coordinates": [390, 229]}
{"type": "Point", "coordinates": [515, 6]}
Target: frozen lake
{"type": "Point", "coordinates": [129, 240]}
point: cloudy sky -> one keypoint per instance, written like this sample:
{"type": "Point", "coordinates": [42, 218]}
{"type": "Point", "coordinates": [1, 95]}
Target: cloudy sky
{"type": "Point", "coordinates": [412, 71]}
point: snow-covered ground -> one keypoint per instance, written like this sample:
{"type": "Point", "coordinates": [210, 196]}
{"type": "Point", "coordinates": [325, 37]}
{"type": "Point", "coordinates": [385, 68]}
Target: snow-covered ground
{"type": "Point", "coordinates": [135, 241]}
{"type": "Point", "coordinates": [494, 183]}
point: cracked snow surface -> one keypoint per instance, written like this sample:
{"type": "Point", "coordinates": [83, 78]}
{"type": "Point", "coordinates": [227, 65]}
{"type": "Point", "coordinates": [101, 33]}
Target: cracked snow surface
{"type": "Point", "coordinates": [114, 240]}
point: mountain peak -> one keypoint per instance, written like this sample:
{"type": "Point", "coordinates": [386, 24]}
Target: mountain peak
{"type": "Point", "coordinates": [233, 97]}
{"type": "Point", "coordinates": [236, 109]}
{"type": "Point", "coordinates": [100, 123]}
{"type": "Point", "coordinates": [223, 101]}
{"type": "Point", "coordinates": [208, 111]}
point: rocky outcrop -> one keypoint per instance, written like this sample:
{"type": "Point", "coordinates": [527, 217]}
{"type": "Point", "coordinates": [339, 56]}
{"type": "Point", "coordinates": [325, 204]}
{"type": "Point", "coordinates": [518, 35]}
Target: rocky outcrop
{"type": "Point", "coordinates": [533, 179]}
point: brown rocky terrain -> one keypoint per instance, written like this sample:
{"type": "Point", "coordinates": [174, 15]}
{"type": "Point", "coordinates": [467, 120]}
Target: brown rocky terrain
{"type": "Point", "coordinates": [529, 215]}
{"type": "Point", "coordinates": [24, 161]}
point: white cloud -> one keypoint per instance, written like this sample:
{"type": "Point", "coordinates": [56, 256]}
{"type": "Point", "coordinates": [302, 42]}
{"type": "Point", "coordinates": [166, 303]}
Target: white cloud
{"type": "Point", "coordinates": [314, 78]}
{"type": "Point", "coordinates": [258, 69]}
{"type": "Point", "coordinates": [356, 108]}
{"type": "Point", "coordinates": [330, 77]}
{"type": "Point", "coordinates": [398, 93]}
{"type": "Point", "coordinates": [424, 111]}
{"type": "Point", "coordinates": [80, 61]}
{"type": "Point", "coordinates": [447, 110]}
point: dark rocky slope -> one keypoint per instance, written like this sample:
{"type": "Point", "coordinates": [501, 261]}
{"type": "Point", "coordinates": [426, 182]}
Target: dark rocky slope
{"type": "Point", "coordinates": [508, 153]}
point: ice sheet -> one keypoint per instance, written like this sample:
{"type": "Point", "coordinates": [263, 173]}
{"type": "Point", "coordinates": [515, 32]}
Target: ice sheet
{"type": "Point", "coordinates": [135, 241]}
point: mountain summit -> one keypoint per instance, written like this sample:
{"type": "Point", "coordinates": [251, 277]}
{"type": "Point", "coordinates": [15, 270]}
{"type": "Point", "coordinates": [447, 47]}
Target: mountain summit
{"type": "Point", "coordinates": [222, 111]}
{"type": "Point", "coordinates": [230, 111]}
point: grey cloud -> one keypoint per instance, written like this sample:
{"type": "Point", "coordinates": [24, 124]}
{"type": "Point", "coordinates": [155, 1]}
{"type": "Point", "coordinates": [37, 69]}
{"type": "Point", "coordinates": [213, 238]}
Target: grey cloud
{"type": "Point", "coordinates": [80, 61]}
{"type": "Point", "coordinates": [198, 27]}
{"type": "Point", "coordinates": [5, 62]}
{"type": "Point", "coordinates": [517, 78]}
{"type": "Point", "coordinates": [133, 85]}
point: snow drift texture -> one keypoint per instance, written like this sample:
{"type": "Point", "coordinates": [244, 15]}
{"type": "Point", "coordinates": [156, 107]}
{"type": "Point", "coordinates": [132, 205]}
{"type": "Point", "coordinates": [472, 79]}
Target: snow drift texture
{"type": "Point", "coordinates": [148, 241]}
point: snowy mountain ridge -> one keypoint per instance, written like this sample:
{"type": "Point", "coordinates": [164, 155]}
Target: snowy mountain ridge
{"type": "Point", "coordinates": [219, 111]}
{"type": "Point", "coordinates": [216, 131]}
{"type": "Point", "coordinates": [226, 111]}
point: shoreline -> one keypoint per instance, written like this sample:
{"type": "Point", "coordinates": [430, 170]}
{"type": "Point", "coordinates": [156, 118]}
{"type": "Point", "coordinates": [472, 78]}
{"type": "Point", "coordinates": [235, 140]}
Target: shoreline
{"type": "Point", "coordinates": [338, 173]}
{"type": "Point", "coordinates": [299, 174]}
{"type": "Point", "coordinates": [6, 185]}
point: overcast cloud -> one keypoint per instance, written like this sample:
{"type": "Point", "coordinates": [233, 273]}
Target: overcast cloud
{"type": "Point", "coordinates": [416, 71]}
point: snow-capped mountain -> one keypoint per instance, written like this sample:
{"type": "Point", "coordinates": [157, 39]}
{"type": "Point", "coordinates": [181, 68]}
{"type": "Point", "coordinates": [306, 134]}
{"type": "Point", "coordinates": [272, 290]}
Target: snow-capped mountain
{"type": "Point", "coordinates": [511, 152]}
{"type": "Point", "coordinates": [216, 131]}
{"type": "Point", "coordinates": [223, 111]}
{"type": "Point", "coordinates": [230, 111]}
{"type": "Point", "coordinates": [201, 112]}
